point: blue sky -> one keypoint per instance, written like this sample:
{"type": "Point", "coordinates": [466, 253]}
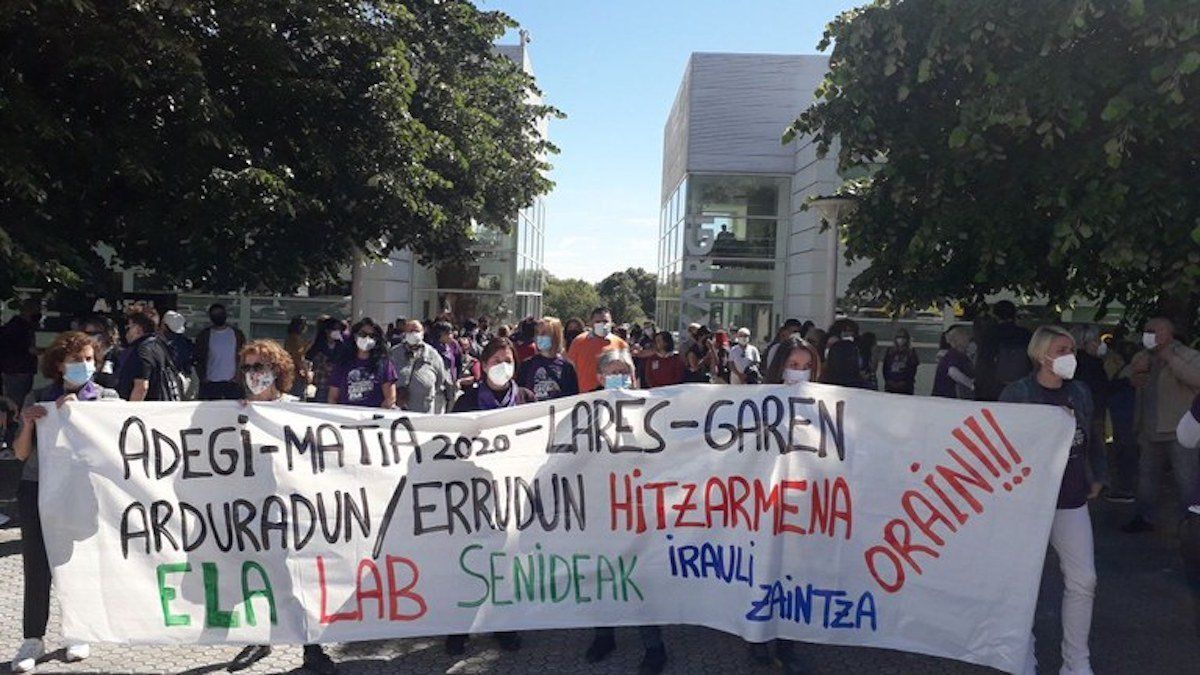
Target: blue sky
{"type": "Point", "coordinates": [614, 67]}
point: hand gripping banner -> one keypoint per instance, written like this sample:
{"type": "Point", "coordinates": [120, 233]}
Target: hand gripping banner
{"type": "Point", "coordinates": [811, 513]}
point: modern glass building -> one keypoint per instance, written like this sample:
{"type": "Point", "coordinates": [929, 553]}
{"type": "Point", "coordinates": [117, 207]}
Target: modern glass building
{"type": "Point", "coordinates": [735, 248]}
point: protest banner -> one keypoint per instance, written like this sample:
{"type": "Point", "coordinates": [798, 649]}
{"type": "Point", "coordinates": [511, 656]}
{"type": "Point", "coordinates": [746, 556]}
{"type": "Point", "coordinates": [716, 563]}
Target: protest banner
{"type": "Point", "coordinates": [813, 513]}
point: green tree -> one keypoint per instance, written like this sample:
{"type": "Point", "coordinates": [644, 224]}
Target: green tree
{"type": "Point", "coordinates": [569, 298]}
{"type": "Point", "coordinates": [1040, 146]}
{"type": "Point", "coordinates": [255, 144]}
{"type": "Point", "coordinates": [630, 293]}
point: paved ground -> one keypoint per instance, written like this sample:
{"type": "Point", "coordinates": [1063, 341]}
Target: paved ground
{"type": "Point", "coordinates": [1144, 623]}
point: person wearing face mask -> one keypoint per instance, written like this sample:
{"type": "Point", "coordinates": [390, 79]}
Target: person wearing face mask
{"type": "Point", "coordinates": [744, 360]}
{"type": "Point", "coordinates": [217, 347]}
{"type": "Point", "coordinates": [1053, 350]}
{"type": "Point", "coordinates": [423, 384]}
{"type": "Point", "coordinates": [324, 353]}
{"type": "Point", "coordinates": [69, 364]}
{"type": "Point", "coordinates": [267, 374]}
{"type": "Point", "coordinates": [147, 372]}
{"type": "Point", "coordinates": [1092, 375]}
{"type": "Point", "coordinates": [18, 350]}
{"type": "Point", "coordinates": [664, 366]}
{"type": "Point", "coordinates": [701, 358]}
{"type": "Point", "coordinates": [955, 377]}
{"type": "Point", "coordinates": [900, 364]}
{"type": "Point", "coordinates": [109, 353]}
{"type": "Point", "coordinates": [1166, 376]}
{"type": "Point", "coordinates": [796, 362]}
{"type": "Point", "coordinates": [586, 348]}
{"type": "Point", "coordinates": [548, 373]}
{"type": "Point", "coordinates": [364, 374]}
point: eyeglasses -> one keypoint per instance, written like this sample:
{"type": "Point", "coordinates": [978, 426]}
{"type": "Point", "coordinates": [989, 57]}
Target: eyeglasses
{"type": "Point", "coordinates": [255, 367]}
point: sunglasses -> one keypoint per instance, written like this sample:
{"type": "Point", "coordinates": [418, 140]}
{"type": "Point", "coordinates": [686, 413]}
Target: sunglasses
{"type": "Point", "coordinates": [255, 367]}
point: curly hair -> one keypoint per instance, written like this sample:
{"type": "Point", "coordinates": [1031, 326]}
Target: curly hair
{"type": "Point", "coordinates": [66, 345]}
{"type": "Point", "coordinates": [273, 354]}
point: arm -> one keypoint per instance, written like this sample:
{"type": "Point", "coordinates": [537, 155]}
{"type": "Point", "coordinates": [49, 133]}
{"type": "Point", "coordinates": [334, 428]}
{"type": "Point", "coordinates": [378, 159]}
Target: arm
{"type": "Point", "coordinates": [961, 378]}
{"type": "Point", "coordinates": [23, 446]}
{"type": "Point", "coordinates": [335, 394]}
{"type": "Point", "coordinates": [389, 395]}
{"type": "Point", "coordinates": [1185, 370]}
{"type": "Point", "coordinates": [140, 388]}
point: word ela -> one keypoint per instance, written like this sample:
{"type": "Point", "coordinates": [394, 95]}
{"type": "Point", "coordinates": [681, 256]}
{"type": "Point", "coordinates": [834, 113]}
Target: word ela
{"type": "Point", "coordinates": [901, 546]}
{"type": "Point", "coordinates": [772, 424]}
{"type": "Point", "coordinates": [827, 608]}
{"type": "Point", "coordinates": [800, 506]}
{"type": "Point", "coordinates": [540, 577]}
{"type": "Point", "coordinates": [729, 563]}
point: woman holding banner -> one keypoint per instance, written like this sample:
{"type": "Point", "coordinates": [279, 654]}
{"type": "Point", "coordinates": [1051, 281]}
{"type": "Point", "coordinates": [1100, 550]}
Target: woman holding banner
{"type": "Point", "coordinates": [268, 372]}
{"type": "Point", "coordinates": [497, 390]}
{"type": "Point", "coordinates": [1053, 350]}
{"type": "Point", "coordinates": [69, 364]}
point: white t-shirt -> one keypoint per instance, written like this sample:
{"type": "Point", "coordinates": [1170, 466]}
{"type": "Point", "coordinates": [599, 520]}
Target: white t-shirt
{"type": "Point", "coordinates": [742, 358]}
{"type": "Point", "coordinates": [222, 355]}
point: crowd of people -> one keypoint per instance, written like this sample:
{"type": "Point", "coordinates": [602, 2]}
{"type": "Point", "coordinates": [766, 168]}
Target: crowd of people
{"type": "Point", "coordinates": [1145, 392]}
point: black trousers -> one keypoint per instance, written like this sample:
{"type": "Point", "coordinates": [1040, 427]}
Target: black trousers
{"type": "Point", "coordinates": [221, 391]}
{"type": "Point", "coordinates": [37, 566]}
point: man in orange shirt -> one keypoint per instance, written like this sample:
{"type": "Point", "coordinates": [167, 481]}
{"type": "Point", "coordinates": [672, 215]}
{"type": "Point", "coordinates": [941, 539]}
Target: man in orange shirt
{"type": "Point", "coordinates": [585, 350]}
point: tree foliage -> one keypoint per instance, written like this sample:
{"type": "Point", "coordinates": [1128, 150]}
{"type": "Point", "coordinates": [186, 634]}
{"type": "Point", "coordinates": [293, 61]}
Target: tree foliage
{"type": "Point", "coordinates": [254, 144]}
{"type": "Point", "coordinates": [630, 294]}
{"type": "Point", "coordinates": [569, 298]}
{"type": "Point", "coordinates": [1046, 147]}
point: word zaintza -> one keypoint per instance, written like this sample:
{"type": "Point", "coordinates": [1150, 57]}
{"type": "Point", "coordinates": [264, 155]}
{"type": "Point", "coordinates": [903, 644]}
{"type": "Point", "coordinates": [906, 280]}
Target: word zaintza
{"type": "Point", "coordinates": [383, 590]}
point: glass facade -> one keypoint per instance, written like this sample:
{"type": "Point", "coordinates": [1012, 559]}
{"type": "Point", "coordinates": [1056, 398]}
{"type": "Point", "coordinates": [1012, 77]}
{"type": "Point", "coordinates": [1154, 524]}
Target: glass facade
{"type": "Point", "coordinates": [720, 237]}
{"type": "Point", "coordinates": [504, 281]}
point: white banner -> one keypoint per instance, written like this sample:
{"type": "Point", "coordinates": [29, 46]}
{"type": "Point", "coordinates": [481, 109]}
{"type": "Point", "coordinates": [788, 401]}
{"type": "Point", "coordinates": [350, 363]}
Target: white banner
{"type": "Point", "coordinates": [812, 513]}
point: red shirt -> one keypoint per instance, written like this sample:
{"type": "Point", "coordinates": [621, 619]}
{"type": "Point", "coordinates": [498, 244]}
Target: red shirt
{"type": "Point", "coordinates": [525, 351]}
{"type": "Point", "coordinates": [662, 371]}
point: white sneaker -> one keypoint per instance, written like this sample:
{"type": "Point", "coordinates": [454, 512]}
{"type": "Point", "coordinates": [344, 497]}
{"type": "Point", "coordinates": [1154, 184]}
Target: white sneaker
{"type": "Point", "coordinates": [78, 652]}
{"type": "Point", "coordinates": [31, 650]}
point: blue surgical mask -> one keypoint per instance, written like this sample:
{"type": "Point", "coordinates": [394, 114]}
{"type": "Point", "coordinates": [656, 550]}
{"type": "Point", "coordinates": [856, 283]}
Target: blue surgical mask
{"type": "Point", "coordinates": [78, 373]}
{"type": "Point", "coordinates": [617, 382]}
{"type": "Point", "coordinates": [544, 343]}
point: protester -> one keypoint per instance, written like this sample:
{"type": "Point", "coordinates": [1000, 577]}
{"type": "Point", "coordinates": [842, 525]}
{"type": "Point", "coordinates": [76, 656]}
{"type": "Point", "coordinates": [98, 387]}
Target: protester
{"type": "Point", "coordinates": [787, 330]}
{"type": "Point", "coordinates": [1167, 377]}
{"type": "Point", "coordinates": [107, 343]}
{"type": "Point", "coordinates": [1122, 404]}
{"type": "Point", "coordinates": [664, 366]}
{"type": "Point", "coordinates": [548, 373]}
{"type": "Point", "coordinates": [1002, 358]}
{"type": "Point", "coordinates": [469, 370]}
{"type": "Point", "coordinates": [180, 346]}
{"type": "Point", "coordinates": [69, 364]}
{"type": "Point", "coordinates": [818, 339]}
{"type": "Point", "coordinates": [484, 334]}
{"type": "Point", "coordinates": [523, 339]}
{"type": "Point", "coordinates": [870, 362]}
{"type": "Point", "coordinates": [446, 343]}
{"type": "Point", "coordinates": [586, 348]}
{"type": "Point", "coordinates": [364, 375]}
{"type": "Point", "coordinates": [1053, 350]}
{"type": "Point", "coordinates": [955, 376]}
{"type": "Point", "coordinates": [1092, 375]}
{"type": "Point", "coordinates": [423, 384]}
{"type": "Point", "coordinates": [147, 372]}
{"type": "Point", "coordinates": [796, 362]}
{"type": "Point", "coordinates": [843, 365]}
{"type": "Point", "coordinates": [297, 346]}
{"type": "Point", "coordinates": [744, 360]}
{"type": "Point", "coordinates": [1187, 432]}
{"type": "Point", "coordinates": [701, 357]}
{"type": "Point", "coordinates": [18, 350]}
{"type": "Point", "coordinates": [572, 329]}
{"type": "Point", "coordinates": [217, 348]}
{"type": "Point", "coordinates": [325, 353]}
{"type": "Point", "coordinates": [900, 364]}
{"type": "Point", "coordinates": [614, 368]}
{"type": "Point", "coordinates": [1188, 435]}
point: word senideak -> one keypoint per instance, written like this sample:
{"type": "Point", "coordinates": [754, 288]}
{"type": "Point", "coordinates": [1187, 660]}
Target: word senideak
{"type": "Point", "coordinates": [397, 600]}
{"type": "Point", "coordinates": [771, 424]}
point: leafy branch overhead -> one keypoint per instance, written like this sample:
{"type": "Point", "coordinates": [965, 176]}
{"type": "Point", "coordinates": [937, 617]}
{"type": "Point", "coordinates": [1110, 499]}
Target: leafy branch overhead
{"type": "Point", "coordinates": [1043, 147]}
{"type": "Point", "coordinates": [256, 144]}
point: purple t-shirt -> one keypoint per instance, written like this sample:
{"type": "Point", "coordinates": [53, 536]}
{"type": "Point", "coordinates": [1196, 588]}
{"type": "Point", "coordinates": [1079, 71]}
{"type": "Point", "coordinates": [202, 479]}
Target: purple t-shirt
{"type": "Point", "coordinates": [360, 384]}
{"type": "Point", "coordinates": [942, 384]}
{"type": "Point", "coordinates": [1073, 491]}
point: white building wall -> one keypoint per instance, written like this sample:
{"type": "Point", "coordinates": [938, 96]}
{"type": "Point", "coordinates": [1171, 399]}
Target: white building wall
{"type": "Point", "coordinates": [385, 290]}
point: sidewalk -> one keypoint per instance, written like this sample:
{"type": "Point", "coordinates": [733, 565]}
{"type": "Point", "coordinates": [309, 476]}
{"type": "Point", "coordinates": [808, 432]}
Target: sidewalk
{"type": "Point", "coordinates": [1143, 624]}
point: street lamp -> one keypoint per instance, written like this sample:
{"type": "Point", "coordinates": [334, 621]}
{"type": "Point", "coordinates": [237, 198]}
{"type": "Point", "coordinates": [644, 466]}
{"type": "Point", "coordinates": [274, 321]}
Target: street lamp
{"type": "Point", "coordinates": [832, 209]}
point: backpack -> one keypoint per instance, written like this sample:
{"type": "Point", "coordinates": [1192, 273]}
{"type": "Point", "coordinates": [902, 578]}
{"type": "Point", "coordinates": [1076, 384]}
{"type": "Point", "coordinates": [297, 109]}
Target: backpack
{"type": "Point", "coordinates": [172, 384]}
{"type": "Point", "coordinates": [1012, 363]}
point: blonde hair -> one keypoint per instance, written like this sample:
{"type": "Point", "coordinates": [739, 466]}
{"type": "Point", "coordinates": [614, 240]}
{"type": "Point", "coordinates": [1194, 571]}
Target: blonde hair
{"type": "Point", "coordinates": [1039, 344]}
{"type": "Point", "coordinates": [274, 355]}
{"type": "Point", "coordinates": [555, 327]}
{"type": "Point", "coordinates": [958, 338]}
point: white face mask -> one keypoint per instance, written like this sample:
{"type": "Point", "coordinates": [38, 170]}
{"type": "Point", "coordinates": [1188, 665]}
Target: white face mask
{"type": "Point", "coordinates": [601, 329]}
{"type": "Point", "coordinates": [414, 338]}
{"type": "Point", "coordinates": [1064, 366]}
{"type": "Point", "coordinates": [1102, 350]}
{"type": "Point", "coordinates": [794, 376]}
{"type": "Point", "coordinates": [335, 335]}
{"type": "Point", "coordinates": [364, 344]}
{"type": "Point", "coordinates": [257, 383]}
{"type": "Point", "coordinates": [743, 340]}
{"type": "Point", "coordinates": [500, 374]}
{"type": "Point", "coordinates": [1149, 340]}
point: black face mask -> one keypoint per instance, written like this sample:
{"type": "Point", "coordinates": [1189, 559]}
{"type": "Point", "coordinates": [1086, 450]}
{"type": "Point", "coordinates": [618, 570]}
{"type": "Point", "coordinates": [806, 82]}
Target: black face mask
{"type": "Point", "coordinates": [217, 319]}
